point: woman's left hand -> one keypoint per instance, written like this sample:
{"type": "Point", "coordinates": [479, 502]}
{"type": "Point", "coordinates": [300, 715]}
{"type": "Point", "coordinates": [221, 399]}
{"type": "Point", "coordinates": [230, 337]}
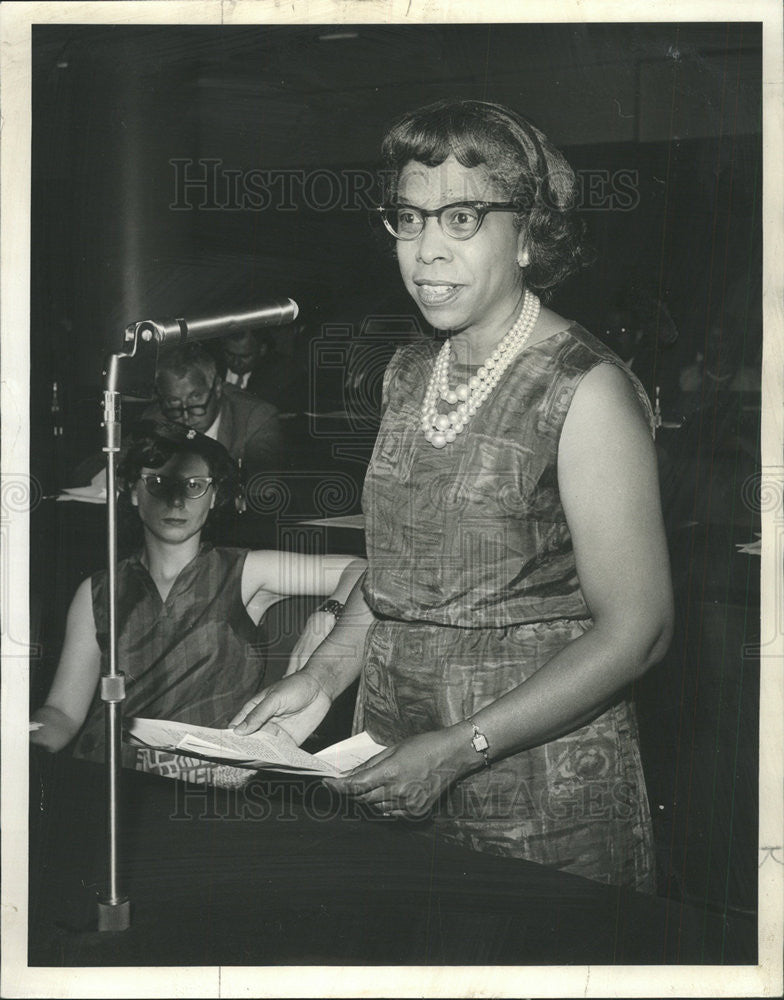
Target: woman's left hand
{"type": "Point", "coordinates": [405, 780]}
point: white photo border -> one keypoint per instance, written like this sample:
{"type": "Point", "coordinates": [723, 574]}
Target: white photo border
{"type": "Point", "coordinates": [19, 980]}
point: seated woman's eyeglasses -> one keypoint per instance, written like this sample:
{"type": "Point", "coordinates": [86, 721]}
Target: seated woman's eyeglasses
{"type": "Point", "coordinates": [191, 488]}
{"type": "Point", "coordinates": [460, 220]}
{"type": "Point", "coordinates": [195, 409]}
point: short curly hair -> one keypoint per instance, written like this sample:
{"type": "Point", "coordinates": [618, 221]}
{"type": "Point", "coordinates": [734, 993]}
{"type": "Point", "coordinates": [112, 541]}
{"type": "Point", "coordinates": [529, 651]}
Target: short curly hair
{"type": "Point", "coordinates": [520, 160]}
{"type": "Point", "coordinates": [153, 443]}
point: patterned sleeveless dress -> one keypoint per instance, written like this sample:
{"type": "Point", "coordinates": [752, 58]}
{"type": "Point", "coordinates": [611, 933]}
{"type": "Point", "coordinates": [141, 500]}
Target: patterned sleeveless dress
{"type": "Point", "coordinates": [195, 657]}
{"type": "Point", "coordinates": [472, 578]}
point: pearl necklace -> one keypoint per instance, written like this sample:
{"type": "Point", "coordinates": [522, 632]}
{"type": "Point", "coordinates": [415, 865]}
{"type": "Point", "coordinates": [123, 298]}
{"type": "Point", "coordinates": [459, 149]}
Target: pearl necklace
{"type": "Point", "coordinates": [441, 429]}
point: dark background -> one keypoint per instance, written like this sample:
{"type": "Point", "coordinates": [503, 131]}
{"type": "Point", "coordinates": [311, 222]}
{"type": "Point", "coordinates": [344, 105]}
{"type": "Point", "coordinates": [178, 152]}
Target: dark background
{"type": "Point", "coordinates": [662, 123]}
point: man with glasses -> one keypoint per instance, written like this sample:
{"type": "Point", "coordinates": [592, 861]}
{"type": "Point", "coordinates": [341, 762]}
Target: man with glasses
{"type": "Point", "coordinates": [191, 392]}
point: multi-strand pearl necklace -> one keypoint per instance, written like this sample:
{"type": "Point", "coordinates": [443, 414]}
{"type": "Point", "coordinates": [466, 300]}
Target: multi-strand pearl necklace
{"type": "Point", "coordinates": [441, 429]}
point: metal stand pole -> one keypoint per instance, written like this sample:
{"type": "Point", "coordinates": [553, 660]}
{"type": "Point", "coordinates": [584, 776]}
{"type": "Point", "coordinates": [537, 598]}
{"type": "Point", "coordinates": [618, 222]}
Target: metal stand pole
{"type": "Point", "coordinates": [114, 908]}
{"type": "Point", "coordinates": [141, 341]}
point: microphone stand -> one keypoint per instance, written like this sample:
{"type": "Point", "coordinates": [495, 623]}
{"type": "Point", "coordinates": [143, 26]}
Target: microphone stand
{"type": "Point", "coordinates": [114, 906]}
{"type": "Point", "coordinates": [140, 342]}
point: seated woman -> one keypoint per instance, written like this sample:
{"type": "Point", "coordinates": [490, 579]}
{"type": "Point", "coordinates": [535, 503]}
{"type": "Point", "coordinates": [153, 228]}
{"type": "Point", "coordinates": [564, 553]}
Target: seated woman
{"type": "Point", "coordinates": [187, 613]}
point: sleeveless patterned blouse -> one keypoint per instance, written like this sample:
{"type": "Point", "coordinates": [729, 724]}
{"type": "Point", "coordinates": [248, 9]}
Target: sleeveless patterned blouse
{"type": "Point", "coordinates": [472, 576]}
{"type": "Point", "coordinates": [195, 657]}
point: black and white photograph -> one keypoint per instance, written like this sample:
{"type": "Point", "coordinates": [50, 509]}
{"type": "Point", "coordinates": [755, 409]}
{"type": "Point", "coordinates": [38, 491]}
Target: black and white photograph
{"type": "Point", "coordinates": [392, 501]}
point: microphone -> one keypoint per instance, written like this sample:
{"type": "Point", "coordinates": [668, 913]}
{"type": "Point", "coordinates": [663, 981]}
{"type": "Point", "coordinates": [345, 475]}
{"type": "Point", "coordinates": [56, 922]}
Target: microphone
{"type": "Point", "coordinates": [279, 312]}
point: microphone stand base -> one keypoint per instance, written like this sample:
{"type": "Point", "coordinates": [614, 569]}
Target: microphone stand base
{"type": "Point", "coordinates": [114, 916]}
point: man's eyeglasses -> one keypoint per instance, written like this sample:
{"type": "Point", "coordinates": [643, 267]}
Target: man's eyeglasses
{"type": "Point", "coordinates": [195, 409]}
{"type": "Point", "coordinates": [163, 486]}
{"type": "Point", "coordinates": [460, 220]}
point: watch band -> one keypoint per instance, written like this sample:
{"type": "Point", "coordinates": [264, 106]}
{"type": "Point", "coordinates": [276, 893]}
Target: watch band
{"type": "Point", "coordinates": [332, 607]}
{"type": "Point", "coordinates": [479, 742]}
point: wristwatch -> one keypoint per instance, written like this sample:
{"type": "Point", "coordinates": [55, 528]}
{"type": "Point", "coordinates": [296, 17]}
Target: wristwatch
{"type": "Point", "coordinates": [332, 607]}
{"type": "Point", "coordinates": [479, 742]}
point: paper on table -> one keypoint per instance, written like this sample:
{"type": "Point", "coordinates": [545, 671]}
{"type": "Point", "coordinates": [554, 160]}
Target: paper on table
{"type": "Point", "coordinates": [343, 521]}
{"type": "Point", "coordinates": [751, 548]}
{"type": "Point", "coordinates": [86, 494]}
{"type": "Point", "coordinates": [259, 750]}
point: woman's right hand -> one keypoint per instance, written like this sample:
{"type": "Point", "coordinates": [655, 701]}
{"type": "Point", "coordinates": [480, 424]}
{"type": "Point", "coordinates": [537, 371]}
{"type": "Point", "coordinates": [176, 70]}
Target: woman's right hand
{"type": "Point", "coordinates": [317, 628]}
{"type": "Point", "coordinates": [297, 704]}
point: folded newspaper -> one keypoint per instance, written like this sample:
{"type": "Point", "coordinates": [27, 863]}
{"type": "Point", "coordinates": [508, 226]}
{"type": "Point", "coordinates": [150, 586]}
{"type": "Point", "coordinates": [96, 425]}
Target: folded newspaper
{"type": "Point", "coordinates": [260, 750]}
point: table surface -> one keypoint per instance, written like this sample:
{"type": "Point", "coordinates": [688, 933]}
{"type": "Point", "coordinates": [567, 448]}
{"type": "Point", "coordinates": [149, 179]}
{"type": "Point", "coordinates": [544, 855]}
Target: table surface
{"type": "Point", "coordinates": [285, 873]}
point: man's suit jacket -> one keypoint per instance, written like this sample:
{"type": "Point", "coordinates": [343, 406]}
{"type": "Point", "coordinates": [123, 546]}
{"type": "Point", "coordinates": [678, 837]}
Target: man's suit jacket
{"type": "Point", "coordinates": [277, 381]}
{"type": "Point", "coordinates": [248, 429]}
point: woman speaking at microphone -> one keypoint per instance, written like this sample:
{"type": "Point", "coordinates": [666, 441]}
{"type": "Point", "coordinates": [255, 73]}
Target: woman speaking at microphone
{"type": "Point", "coordinates": [518, 579]}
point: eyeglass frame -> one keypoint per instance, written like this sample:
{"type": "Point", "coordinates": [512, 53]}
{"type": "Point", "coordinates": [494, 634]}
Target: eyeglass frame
{"type": "Point", "coordinates": [196, 409]}
{"type": "Point", "coordinates": [171, 480]}
{"type": "Point", "coordinates": [482, 208]}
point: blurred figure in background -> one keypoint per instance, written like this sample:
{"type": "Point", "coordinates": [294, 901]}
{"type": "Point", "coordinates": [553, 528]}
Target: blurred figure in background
{"type": "Point", "coordinates": [642, 332]}
{"type": "Point", "coordinates": [242, 352]}
{"type": "Point", "coordinates": [251, 361]}
{"type": "Point", "coordinates": [700, 722]}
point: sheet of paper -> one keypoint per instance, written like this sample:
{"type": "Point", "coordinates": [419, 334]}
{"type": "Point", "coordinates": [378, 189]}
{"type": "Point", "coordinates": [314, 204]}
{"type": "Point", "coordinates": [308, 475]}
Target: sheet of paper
{"type": "Point", "coordinates": [751, 548]}
{"type": "Point", "coordinates": [259, 750]}
{"type": "Point", "coordinates": [85, 494]}
{"type": "Point", "coordinates": [350, 753]}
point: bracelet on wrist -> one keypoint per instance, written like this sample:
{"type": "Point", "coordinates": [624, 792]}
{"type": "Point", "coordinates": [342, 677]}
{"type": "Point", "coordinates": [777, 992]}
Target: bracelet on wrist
{"type": "Point", "coordinates": [332, 607]}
